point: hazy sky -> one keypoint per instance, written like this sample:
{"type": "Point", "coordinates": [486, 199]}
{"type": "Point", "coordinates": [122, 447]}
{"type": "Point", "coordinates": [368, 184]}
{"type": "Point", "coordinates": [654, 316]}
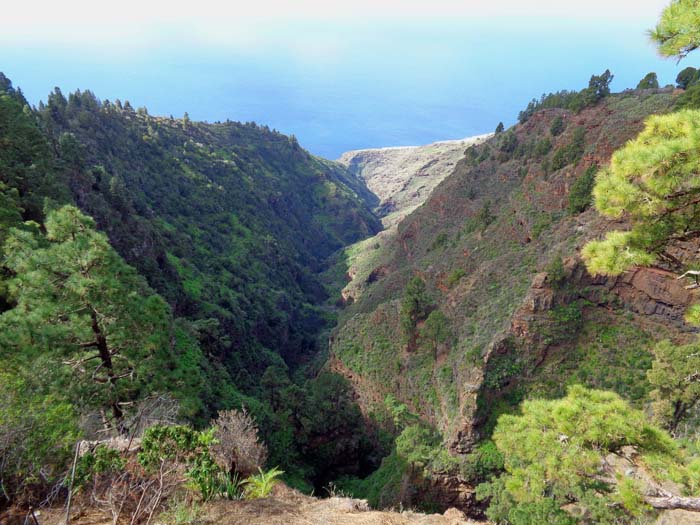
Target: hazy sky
{"type": "Point", "coordinates": [339, 75]}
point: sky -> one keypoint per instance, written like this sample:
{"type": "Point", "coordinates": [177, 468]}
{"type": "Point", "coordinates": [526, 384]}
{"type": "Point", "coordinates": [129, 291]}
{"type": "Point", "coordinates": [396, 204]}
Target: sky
{"type": "Point", "coordinates": [338, 75]}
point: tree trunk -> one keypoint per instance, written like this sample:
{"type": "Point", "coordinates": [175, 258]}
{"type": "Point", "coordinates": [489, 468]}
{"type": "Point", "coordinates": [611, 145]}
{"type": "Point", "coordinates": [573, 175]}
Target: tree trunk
{"type": "Point", "coordinates": [106, 358]}
{"type": "Point", "coordinates": [672, 502]}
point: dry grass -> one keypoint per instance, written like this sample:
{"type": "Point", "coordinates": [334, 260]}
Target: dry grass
{"type": "Point", "coordinates": [284, 507]}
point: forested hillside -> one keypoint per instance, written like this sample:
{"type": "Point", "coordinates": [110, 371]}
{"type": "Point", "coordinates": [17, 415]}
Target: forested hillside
{"type": "Point", "coordinates": [153, 261]}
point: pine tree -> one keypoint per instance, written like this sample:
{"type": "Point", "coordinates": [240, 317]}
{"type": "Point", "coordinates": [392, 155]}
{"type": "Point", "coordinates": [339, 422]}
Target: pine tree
{"type": "Point", "coordinates": [415, 305]}
{"type": "Point", "coordinates": [674, 376]}
{"type": "Point", "coordinates": [655, 182]}
{"type": "Point", "coordinates": [678, 30]}
{"type": "Point", "coordinates": [80, 307]}
{"type": "Point", "coordinates": [687, 77]}
{"type": "Point", "coordinates": [650, 81]}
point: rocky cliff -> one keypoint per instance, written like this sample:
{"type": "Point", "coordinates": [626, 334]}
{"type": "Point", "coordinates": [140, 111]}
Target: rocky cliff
{"type": "Point", "coordinates": [404, 177]}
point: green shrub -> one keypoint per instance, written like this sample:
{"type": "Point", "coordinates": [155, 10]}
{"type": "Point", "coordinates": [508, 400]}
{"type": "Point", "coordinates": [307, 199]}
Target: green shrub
{"type": "Point", "coordinates": [558, 126]}
{"type": "Point", "coordinates": [181, 444]}
{"type": "Point", "coordinates": [101, 460]}
{"type": "Point", "coordinates": [439, 241]}
{"type": "Point", "coordinates": [555, 272]}
{"type": "Point", "coordinates": [572, 152]}
{"type": "Point", "coordinates": [508, 143]}
{"type": "Point", "coordinates": [543, 147]}
{"type": "Point", "coordinates": [435, 330]}
{"type": "Point", "coordinates": [690, 99]}
{"type": "Point", "coordinates": [580, 194]}
{"type": "Point", "coordinates": [415, 305]}
{"type": "Point", "coordinates": [483, 463]}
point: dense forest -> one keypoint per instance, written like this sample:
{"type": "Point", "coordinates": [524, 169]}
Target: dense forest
{"type": "Point", "coordinates": [208, 308]}
{"type": "Point", "coordinates": [148, 258]}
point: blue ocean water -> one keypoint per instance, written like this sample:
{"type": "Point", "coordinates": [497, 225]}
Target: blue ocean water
{"type": "Point", "coordinates": [356, 85]}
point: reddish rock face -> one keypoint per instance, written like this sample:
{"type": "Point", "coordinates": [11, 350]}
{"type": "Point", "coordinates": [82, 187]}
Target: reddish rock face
{"type": "Point", "coordinates": [653, 291]}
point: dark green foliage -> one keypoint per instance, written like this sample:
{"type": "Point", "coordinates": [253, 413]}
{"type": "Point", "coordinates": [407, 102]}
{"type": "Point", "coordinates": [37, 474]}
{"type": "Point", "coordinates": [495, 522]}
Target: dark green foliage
{"type": "Point", "coordinates": [687, 77]}
{"type": "Point", "coordinates": [483, 463]}
{"type": "Point", "coordinates": [231, 223]}
{"type": "Point", "coordinates": [690, 99]}
{"type": "Point", "coordinates": [101, 460]}
{"type": "Point", "coordinates": [440, 241]}
{"type": "Point", "coordinates": [499, 128]}
{"type": "Point", "coordinates": [435, 330]}
{"type": "Point", "coordinates": [572, 152]}
{"type": "Point", "coordinates": [238, 219]}
{"type": "Point", "coordinates": [581, 192]}
{"type": "Point", "coordinates": [415, 305]}
{"type": "Point", "coordinates": [543, 147]}
{"type": "Point", "coordinates": [564, 322]}
{"type": "Point", "coordinates": [508, 143]}
{"type": "Point", "coordinates": [598, 88]}
{"type": "Point", "coordinates": [650, 81]}
{"type": "Point", "coordinates": [556, 273]}
{"type": "Point", "coordinates": [558, 126]}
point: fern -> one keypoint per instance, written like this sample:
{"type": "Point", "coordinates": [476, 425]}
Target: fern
{"type": "Point", "coordinates": [260, 485]}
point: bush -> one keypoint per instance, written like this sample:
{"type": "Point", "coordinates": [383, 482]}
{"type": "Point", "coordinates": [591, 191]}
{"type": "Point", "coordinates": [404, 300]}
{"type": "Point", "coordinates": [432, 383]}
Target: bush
{"type": "Point", "coordinates": [415, 305]}
{"type": "Point", "coordinates": [543, 147]}
{"type": "Point", "coordinates": [572, 152]}
{"type": "Point", "coordinates": [37, 439]}
{"type": "Point", "coordinates": [101, 460]}
{"type": "Point", "coordinates": [184, 446]}
{"type": "Point", "coordinates": [238, 447]}
{"type": "Point", "coordinates": [435, 331]}
{"type": "Point", "coordinates": [690, 99]}
{"type": "Point", "coordinates": [508, 143]}
{"type": "Point", "coordinates": [558, 126]}
{"type": "Point", "coordinates": [483, 463]}
{"type": "Point", "coordinates": [581, 192]}
{"type": "Point", "coordinates": [555, 272]}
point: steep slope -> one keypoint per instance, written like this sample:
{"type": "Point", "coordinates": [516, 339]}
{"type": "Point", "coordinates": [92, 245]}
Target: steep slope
{"type": "Point", "coordinates": [230, 222]}
{"type": "Point", "coordinates": [508, 310]}
{"type": "Point", "coordinates": [404, 177]}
